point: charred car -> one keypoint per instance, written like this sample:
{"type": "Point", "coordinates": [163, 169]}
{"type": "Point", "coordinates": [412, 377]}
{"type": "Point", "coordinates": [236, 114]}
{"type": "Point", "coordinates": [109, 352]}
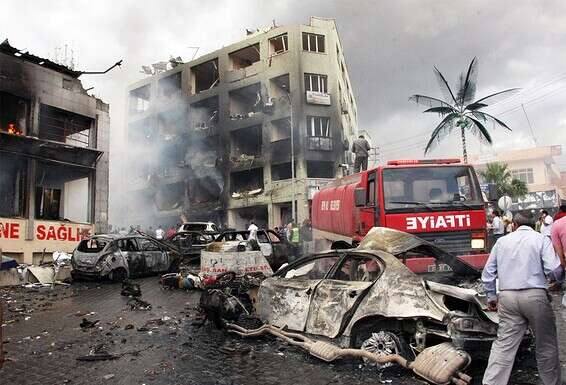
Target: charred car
{"type": "Point", "coordinates": [191, 243]}
{"type": "Point", "coordinates": [274, 248]}
{"type": "Point", "coordinates": [118, 257]}
{"type": "Point", "coordinates": [367, 298]}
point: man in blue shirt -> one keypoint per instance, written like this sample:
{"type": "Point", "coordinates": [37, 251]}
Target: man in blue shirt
{"type": "Point", "coordinates": [521, 261]}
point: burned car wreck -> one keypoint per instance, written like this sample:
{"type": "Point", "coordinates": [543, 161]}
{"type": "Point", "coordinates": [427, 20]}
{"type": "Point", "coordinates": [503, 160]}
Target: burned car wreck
{"type": "Point", "coordinates": [117, 257]}
{"type": "Point", "coordinates": [367, 298]}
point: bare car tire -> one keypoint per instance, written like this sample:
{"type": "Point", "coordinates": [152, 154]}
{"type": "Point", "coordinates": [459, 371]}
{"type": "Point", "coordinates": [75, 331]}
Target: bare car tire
{"type": "Point", "coordinates": [384, 342]}
{"type": "Point", "coordinates": [118, 275]}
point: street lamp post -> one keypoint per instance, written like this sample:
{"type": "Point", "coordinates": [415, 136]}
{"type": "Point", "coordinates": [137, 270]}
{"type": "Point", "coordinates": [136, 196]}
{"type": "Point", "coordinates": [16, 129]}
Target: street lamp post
{"type": "Point", "coordinates": [293, 208]}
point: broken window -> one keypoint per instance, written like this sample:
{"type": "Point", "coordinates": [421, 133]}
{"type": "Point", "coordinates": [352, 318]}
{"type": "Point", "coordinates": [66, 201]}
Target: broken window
{"type": "Point", "coordinates": [170, 86]}
{"type": "Point", "coordinates": [205, 189]}
{"type": "Point", "coordinates": [204, 76]}
{"type": "Point", "coordinates": [281, 129]}
{"type": "Point", "coordinates": [65, 127]}
{"type": "Point", "coordinates": [315, 82]}
{"type": "Point", "coordinates": [12, 186]}
{"type": "Point", "coordinates": [318, 126]}
{"type": "Point", "coordinates": [245, 142]}
{"type": "Point", "coordinates": [241, 218]}
{"type": "Point", "coordinates": [47, 203]}
{"type": "Point", "coordinates": [282, 171]}
{"type": "Point", "coordinates": [13, 114]}
{"type": "Point", "coordinates": [320, 169]}
{"type": "Point", "coordinates": [139, 99]}
{"type": "Point", "coordinates": [171, 123]}
{"type": "Point", "coordinates": [247, 182]}
{"type": "Point", "coordinates": [245, 57]}
{"type": "Point", "coordinates": [245, 102]}
{"type": "Point", "coordinates": [278, 44]}
{"type": "Point", "coordinates": [279, 87]}
{"type": "Point", "coordinates": [203, 115]}
{"type": "Point", "coordinates": [203, 153]}
{"type": "Point", "coordinates": [313, 42]}
{"type": "Point", "coordinates": [62, 193]}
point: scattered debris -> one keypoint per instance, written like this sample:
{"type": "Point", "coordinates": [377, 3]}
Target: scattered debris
{"type": "Point", "coordinates": [136, 303]}
{"type": "Point", "coordinates": [130, 289]}
{"type": "Point", "coordinates": [98, 353]}
{"type": "Point", "coordinates": [108, 376]}
{"type": "Point", "coordinates": [86, 324]}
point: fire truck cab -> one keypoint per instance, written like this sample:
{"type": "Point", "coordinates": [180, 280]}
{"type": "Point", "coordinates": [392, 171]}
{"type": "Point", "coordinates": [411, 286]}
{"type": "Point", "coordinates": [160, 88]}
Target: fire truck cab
{"type": "Point", "coordinates": [439, 200]}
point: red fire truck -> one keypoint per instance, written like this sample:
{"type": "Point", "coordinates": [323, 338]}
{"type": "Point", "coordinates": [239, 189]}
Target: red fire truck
{"type": "Point", "coordinates": [439, 200]}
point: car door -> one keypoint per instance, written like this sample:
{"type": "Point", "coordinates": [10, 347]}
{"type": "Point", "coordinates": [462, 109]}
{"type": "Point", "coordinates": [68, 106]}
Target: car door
{"type": "Point", "coordinates": [154, 258]}
{"type": "Point", "coordinates": [337, 296]}
{"type": "Point", "coordinates": [136, 260]}
{"type": "Point", "coordinates": [264, 244]}
{"type": "Point", "coordinates": [284, 300]}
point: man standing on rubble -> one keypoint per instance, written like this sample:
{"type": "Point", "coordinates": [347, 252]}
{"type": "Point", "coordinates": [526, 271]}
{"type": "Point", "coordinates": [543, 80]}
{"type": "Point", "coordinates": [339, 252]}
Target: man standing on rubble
{"type": "Point", "coordinates": [361, 148]}
{"type": "Point", "coordinates": [521, 261]}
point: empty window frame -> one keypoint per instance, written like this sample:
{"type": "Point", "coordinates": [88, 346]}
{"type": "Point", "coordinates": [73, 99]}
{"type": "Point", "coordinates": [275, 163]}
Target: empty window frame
{"type": "Point", "coordinates": [12, 186]}
{"type": "Point", "coordinates": [13, 114]}
{"type": "Point", "coordinates": [245, 101]}
{"type": "Point", "coordinates": [204, 76]}
{"type": "Point", "coordinates": [281, 129]}
{"type": "Point", "coordinates": [245, 142]}
{"type": "Point", "coordinates": [245, 57]}
{"type": "Point", "coordinates": [64, 126]}
{"type": "Point", "coordinates": [316, 82]}
{"type": "Point", "coordinates": [139, 99]}
{"type": "Point", "coordinates": [279, 44]}
{"type": "Point", "coordinates": [282, 171]}
{"type": "Point", "coordinates": [524, 174]}
{"type": "Point", "coordinates": [203, 115]}
{"type": "Point", "coordinates": [247, 180]}
{"type": "Point", "coordinates": [313, 42]}
{"type": "Point", "coordinates": [170, 86]}
{"type": "Point", "coordinates": [320, 169]}
{"type": "Point", "coordinates": [318, 126]}
{"type": "Point", "coordinates": [279, 87]}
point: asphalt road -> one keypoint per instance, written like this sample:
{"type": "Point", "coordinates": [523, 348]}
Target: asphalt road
{"type": "Point", "coordinates": [166, 345]}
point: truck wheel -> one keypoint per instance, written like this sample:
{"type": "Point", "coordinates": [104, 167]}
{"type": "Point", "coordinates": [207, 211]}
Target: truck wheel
{"type": "Point", "coordinates": [118, 275]}
{"type": "Point", "coordinates": [385, 342]}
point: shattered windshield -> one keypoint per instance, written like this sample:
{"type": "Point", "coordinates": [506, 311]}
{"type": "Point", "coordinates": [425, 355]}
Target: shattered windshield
{"type": "Point", "coordinates": [430, 187]}
{"type": "Point", "coordinates": [93, 245]}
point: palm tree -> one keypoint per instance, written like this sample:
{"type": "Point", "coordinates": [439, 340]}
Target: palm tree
{"type": "Point", "coordinates": [459, 110]}
{"type": "Point", "coordinates": [498, 174]}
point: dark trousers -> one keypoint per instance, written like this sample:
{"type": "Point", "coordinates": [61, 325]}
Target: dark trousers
{"type": "Point", "coordinates": [361, 163]}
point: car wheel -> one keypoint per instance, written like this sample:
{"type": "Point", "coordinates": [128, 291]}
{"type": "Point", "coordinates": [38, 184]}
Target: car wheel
{"type": "Point", "coordinates": [118, 275]}
{"type": "Point", "coordinates": [384, 343]}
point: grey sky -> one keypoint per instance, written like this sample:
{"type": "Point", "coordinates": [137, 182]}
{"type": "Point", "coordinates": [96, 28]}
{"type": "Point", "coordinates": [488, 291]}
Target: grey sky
{"type": "Point", "coordinates": [391, 48]}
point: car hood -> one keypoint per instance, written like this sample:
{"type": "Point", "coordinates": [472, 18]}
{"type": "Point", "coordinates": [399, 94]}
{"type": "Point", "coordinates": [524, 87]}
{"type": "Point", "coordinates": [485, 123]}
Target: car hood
{"type": "Point", "coordinates": [397, 242]}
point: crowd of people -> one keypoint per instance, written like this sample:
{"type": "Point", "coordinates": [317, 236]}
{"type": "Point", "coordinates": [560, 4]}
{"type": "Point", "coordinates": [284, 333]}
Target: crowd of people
{"type": "Point", "coordinates": [158, 233]}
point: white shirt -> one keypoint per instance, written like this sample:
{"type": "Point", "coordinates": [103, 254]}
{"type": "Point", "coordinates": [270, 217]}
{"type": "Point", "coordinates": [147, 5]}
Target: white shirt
{"type": "Point", "coordinates": [159, 233]}
{"type": "Point", "coordinates": [253, 231]}
{"type": "Point", "coordinates": [498, 227]}
{"type": "Point", "coordinates": [521, 260]}
{"type": "Point", "coordinates": [546, 225]}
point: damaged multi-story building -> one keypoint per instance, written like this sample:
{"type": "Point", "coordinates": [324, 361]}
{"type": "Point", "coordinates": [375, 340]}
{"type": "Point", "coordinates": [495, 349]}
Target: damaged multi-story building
{"type": "Point", "coordinates": [210, 139]}
{"type": "Point", "coordinates": [54, 141]}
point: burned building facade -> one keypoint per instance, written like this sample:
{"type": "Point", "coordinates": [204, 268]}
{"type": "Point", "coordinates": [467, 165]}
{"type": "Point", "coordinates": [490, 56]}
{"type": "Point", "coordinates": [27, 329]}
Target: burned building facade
{"type": "Point", "coordinates": [53, 157]}
{"type": "Point", "coordinates": [211, 139]}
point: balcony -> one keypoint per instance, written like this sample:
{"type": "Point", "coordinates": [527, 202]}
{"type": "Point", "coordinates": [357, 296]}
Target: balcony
{"type": "Point", "coordinates": [319, 143]}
